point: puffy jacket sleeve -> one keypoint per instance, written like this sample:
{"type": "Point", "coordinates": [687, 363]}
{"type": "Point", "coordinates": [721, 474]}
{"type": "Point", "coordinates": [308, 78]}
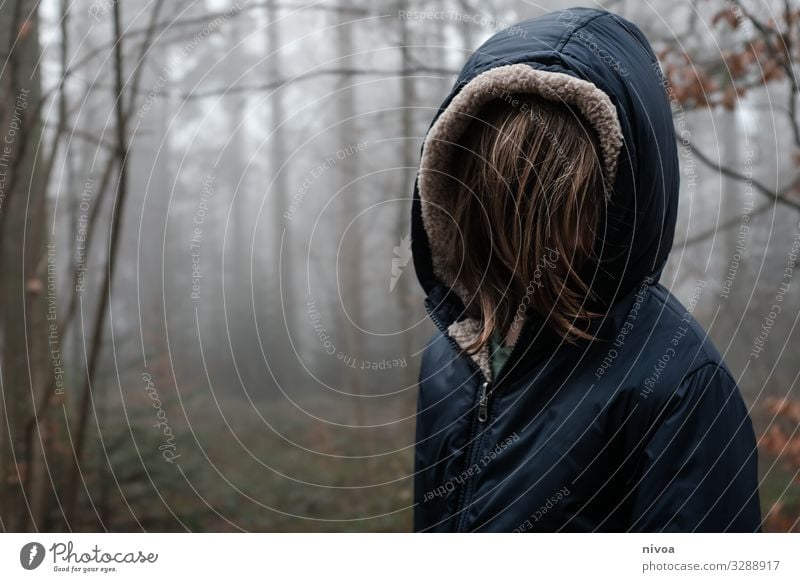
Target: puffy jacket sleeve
{"type": "Point", "coordinates": [697, 470]}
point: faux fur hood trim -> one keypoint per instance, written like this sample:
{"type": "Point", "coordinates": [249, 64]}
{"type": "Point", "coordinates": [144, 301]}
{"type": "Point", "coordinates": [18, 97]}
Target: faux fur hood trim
{"type": "Point", "coordinates": [438, 147]}
{"type": "Point", "coordinates": [496, 83]}
{"type": "Point", "coordinates": [464, 333]}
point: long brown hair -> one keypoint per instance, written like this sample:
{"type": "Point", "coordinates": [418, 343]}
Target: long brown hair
{"type": "Point", "coordinates": [527, 197]}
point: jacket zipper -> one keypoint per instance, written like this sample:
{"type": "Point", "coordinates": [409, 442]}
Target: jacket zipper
{"type": "Point", "coordinates": [487, 389]}
{"type": "Point", "coordinates": [484, 394]}
{"type": "Point", "coordinates": [483, 403]}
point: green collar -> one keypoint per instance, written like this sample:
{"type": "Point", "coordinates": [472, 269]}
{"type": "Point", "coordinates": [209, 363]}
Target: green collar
{"type": "Point", "coordinates": [498, 354]}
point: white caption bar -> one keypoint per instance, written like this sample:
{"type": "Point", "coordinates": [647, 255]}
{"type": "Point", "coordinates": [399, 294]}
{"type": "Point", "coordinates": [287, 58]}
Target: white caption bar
{"type": "Point", "coordinates": [401, 557]}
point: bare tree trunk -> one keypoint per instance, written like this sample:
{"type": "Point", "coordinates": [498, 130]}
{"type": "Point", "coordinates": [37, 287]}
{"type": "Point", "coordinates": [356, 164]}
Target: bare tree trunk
{"type": "Point", "coordinates": [351, 256]}
{"type": "Point", "coordinates": [403, 285]}
{"type": "Point", "coordinates": [23, 240]}
{"type": "Point", "coordinates": [278, 147]}
{"type": "Point", "coordinates": [82, 421]}
{"type": "Point", "coordinates": [40, 428]}
{"type": "Point", "coordinates": [123, 111]}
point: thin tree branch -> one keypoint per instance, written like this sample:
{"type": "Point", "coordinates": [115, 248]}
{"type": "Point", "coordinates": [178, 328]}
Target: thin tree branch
{"type": "Point", "coordinates": [345, 72]}
{"type": "Point", "coordinates": [776, 195]}
{"type": "Point", "coordinates": [782, 58]}
{"type": "Point", "coordinates": [705, 235]}
{"type": "Point", "coordinates": [195, 21]}
{"type": "Point", "coordinates": [111, 262]}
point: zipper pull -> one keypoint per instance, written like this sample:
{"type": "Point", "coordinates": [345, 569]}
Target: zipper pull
{"type": "Point", "coordinates": [483, 403]}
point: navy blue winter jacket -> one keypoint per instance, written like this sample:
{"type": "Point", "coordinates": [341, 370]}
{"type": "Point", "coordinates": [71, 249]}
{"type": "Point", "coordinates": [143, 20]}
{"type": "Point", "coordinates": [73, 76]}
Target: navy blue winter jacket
{"type": "Point", "coordinates": [643, 429]}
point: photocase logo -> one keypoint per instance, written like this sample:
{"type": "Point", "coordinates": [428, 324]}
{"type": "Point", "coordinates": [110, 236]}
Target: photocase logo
{"type": "Point", "coordinates": [31, 555]}
{"type": "Point", "coordinates": [400, 260]}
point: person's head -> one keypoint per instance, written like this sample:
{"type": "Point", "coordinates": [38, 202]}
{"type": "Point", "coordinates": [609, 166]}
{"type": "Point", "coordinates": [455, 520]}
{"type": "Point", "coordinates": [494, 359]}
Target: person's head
{"type": "Point", "coordinates": [526, 184]}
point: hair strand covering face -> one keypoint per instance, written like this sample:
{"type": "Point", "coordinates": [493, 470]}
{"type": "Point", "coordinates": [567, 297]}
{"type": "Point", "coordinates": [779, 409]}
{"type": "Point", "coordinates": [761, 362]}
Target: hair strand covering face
{"type": "Point", "coordinates": [512, 178]}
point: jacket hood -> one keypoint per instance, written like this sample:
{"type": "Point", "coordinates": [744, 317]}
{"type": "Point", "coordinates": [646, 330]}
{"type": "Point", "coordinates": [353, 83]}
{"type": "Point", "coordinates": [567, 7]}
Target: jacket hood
{"type": "Point", "coordinates": [602, 65]}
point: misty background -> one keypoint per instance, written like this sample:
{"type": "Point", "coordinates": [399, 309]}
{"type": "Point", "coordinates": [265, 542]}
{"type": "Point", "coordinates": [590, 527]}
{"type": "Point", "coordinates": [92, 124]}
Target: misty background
{"type": "Point", "coordinates": [209, 318]}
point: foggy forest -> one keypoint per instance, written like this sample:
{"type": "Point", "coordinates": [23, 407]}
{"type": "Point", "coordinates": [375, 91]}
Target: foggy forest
{"type": "Point", "coordinates": [209, 317]}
